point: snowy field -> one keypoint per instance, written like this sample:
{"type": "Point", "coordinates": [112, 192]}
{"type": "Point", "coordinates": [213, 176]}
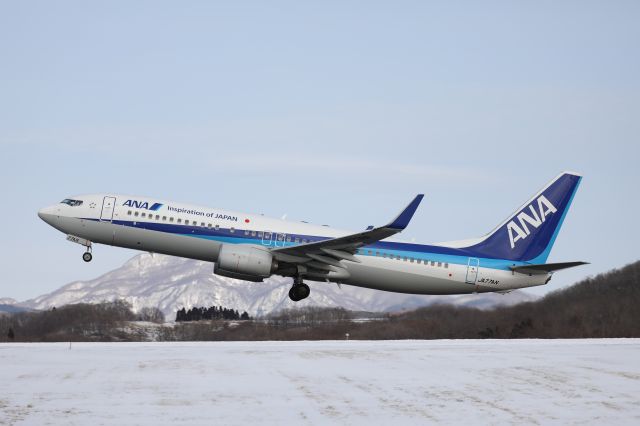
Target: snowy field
{"type": "Point", "coordinates": [337, 382]}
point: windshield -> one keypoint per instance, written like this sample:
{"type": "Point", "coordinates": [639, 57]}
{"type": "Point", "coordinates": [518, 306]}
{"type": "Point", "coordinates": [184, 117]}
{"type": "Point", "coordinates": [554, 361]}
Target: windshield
{"type": "Point", "coordinates": [72, 203]}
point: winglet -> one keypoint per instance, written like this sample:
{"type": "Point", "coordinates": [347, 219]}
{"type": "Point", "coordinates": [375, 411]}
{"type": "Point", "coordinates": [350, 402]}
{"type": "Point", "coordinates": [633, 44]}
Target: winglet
{"type": "Point", "coordinates": [403, 218]}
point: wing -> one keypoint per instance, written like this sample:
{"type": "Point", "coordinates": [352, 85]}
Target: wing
{"type": "Point", "coordinates": [326, 255]}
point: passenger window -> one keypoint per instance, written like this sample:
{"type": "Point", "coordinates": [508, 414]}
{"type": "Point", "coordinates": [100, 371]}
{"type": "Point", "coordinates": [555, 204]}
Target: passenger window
{"type": "Point", "coordinates": [411, 259]}
{"type": "Point", "coordinates": [433, 263]}
{"type": "Point", "coordinates": [217, 227]}
{"type": "Point", "coordinates": [232, 230]}
{"type": "Point", "coordinates": [404, 259]}
{"type": "Point", "coordinates": [179, 220]}
{"type": "Point", "coordinates": [171, 219]}
{"type": "Point", "coordinates": [253, 233]}
{"type": "Point", "coordinates": [157, 217]}
{"type": "Point", "coordinates": [164, 218]}
{"type": "Point", "coordinates": [297, 240]}
{"type": "Point", "coordinates": [136, 214]}
{"type": "Point", "coordinates": [209, 225]}
{"type": "Point", "coordinates": [439, 264]}
{"type": "Point", "coordinates": [246, 232]}
{"type": "Point", "coordinates": [446, 265]}
{"type": "Point", "coordinates": [186, 222]}
{"type": "Point", "coordinates": [202, 224]}
{"type": "Point", "coordinates": [259, 234]}
{"type": "Point", "coordinates": [143, 214]}
{"type": "Point", "coordinates": [129, 212]}
{"type": "Point", "coordinates": [288, 239]}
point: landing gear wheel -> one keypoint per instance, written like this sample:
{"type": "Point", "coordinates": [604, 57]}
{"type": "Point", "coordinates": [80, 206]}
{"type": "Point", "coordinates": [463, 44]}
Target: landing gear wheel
{"type": "Point", "coordinates": [299, 292]}
{"type": "Point", "coordinates": [87, 257]}
{"type": "Point", "coordinates": [292, 294]}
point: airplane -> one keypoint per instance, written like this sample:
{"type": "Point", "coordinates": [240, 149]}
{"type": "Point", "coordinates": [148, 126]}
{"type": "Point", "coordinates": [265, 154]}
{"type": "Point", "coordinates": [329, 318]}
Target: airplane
{"type": "Point", "coordinates": [252, 247]}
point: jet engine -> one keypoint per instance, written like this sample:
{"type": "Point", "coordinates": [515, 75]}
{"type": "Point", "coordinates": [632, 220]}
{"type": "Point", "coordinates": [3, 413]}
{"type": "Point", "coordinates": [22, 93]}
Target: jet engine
{"type": "Point", "coordinates": [245, 262]}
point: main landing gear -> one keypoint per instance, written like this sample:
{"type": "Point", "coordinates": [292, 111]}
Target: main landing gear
{"type": "Point", "coordinates": [299, 290]}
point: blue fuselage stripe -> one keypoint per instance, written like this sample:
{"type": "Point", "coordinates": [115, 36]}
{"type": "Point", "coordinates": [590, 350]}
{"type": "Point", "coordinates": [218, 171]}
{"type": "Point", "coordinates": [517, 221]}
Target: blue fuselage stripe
{"type": "Point", "coordinates": [378, 249]}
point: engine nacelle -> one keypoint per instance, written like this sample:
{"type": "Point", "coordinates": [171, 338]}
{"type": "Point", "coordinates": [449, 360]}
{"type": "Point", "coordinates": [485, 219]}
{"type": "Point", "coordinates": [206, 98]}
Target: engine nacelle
{"type": "Point", "coordinates": [244, 262]}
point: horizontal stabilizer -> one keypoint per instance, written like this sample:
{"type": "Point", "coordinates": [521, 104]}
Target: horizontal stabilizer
{"type": "Point", "coordinates": [545, 268]}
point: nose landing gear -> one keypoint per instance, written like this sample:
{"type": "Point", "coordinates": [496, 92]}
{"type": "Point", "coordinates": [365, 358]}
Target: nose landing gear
{"type": "Point", "coordinates": [299, 290]}
{"type": "Point", "coordinates": [86, 256]}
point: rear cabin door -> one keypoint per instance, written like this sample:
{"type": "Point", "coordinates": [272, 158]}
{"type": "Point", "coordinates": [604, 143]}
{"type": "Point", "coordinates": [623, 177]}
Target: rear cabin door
{"type": "Point", "coordinates": [472, 270]}
{"type": "Point", "coordinates": [108, 205]}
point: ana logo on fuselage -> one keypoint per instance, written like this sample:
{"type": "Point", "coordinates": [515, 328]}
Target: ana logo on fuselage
{"type": "Point", "coordinates": [142, 205]}
{"type": "Point", "coordinates": [520, 231]}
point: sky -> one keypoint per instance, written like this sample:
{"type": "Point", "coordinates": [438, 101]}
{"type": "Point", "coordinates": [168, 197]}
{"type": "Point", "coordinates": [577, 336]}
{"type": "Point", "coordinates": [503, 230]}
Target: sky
{"type": "Point", "coordinates": [333, 112]}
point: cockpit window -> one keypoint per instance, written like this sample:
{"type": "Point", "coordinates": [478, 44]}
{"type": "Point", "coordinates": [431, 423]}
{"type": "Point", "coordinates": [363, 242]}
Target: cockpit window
{"type": "Point", "coordinates": [72, 203]}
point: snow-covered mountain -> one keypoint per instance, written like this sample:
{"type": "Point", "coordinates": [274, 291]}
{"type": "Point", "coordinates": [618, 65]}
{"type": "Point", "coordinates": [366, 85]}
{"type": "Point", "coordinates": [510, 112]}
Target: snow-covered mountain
{"type": "Point", "coordinates": [10, 306]}
{"type": "Point", "coordinates": [171, 283]}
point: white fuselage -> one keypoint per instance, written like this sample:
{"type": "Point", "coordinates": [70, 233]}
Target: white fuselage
{"type": "Point", "coordinates": [199, 233]}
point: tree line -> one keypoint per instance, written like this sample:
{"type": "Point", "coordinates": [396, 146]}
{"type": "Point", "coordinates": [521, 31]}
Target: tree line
{"type": "Point", "coordinates": [210, 313]}
{"type": "Point", "coordinates": [77, 322]}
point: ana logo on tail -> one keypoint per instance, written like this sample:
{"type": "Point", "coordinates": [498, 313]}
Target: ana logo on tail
{"type": "Point", "coordinates": [520, 231]}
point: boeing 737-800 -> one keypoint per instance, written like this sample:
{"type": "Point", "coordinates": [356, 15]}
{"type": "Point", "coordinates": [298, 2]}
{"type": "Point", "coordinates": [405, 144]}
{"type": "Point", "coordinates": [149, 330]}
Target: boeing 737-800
{"type": "Point", "coordinates": [253, 247]}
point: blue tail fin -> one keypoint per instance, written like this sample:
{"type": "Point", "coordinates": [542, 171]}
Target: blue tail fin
{"type": "Point", "coordinates": [530, 232]}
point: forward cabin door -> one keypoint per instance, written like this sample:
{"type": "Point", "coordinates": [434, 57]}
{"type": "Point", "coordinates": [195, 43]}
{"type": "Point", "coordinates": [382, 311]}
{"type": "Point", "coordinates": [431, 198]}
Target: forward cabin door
{"type": "Point", "coordinates": [472, 270]}
{"type": "Point", "coordinates": [108, 205]}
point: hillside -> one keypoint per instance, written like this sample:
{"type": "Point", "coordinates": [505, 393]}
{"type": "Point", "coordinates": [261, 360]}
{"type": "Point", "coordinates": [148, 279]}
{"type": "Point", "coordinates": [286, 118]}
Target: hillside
{"type": "Point", "coordinates": [607, 305]}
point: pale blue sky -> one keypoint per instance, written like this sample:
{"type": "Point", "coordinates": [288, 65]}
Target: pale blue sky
{"type": "Point", "coordinates": [332, 112]}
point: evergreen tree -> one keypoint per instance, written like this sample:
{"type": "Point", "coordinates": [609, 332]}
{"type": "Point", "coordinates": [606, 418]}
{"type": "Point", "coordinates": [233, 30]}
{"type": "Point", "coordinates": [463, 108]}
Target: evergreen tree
{"type": "Point", "coordinates": [181, 315]}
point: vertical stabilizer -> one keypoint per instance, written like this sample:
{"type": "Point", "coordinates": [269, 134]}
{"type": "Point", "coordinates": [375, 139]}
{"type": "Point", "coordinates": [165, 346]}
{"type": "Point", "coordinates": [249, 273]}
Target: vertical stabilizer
{"type": "Point", "coordinates": [530, 232]}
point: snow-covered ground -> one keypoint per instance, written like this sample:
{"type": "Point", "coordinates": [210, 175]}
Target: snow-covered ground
{"type": "Point", "coordinates": [337, 382]}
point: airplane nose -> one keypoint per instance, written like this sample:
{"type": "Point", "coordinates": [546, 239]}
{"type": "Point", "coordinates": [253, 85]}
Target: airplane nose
{"type": "Point", "coordinates": [47, 214]}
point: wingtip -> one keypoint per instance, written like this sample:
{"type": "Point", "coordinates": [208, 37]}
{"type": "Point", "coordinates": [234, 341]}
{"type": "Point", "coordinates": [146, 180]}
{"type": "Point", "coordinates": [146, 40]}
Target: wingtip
{"type": "Point", "coordinates": [405, 216]}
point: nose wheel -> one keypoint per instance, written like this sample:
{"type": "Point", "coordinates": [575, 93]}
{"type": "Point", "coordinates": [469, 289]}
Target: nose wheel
{"type": "Point", "coordinates": [299, 291]}
{"type": "Point", "coordinates": [87, 256]}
